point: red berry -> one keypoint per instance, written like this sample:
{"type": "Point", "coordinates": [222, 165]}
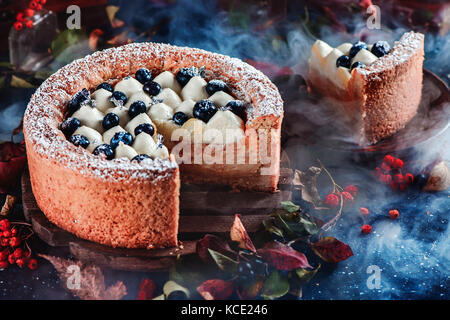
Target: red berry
{"type": "Point", "coordinates": [398, 164]}
{"type": "Point", "coordinates": [385, 167]}
{"type": "Point", "coordinates": [3, 264]}
{"type": "Point", "coordinates": [18, 253]}
{"type": "Point", "coordinates": [11, 259]}
{"type": "Point", "coordinates": [364, 211]}
{"type": "Point", "coordinates": [7, 234]}
{"type": "Point", "coordinates": [15, 241]}
{"type": "Point", "coordinates": [388, 159]}
{"type": "Point", "coordinates": [13, 232]}
{"type": "Point", "coordinates": [393, 214]}
{"type": "Point", "coordinates": [4, 255]}
{"type": "Point", "coordinates": [353, 190]}
{"type": "Point", "coordinates": [32, 264]}
{"type": "Point", "coordinates": [398, 178]}
{"type": "Point", "coordinates": [403, 186]}
{"type": "Point", "coordinates": [20, 17]}
{"type": "Point", "coordinates": [394, 185]}
{"type": "Point", "coordinates": [5, 224]}
{"type": "Point", "coordinates": [20, 262]}
{"type": "Point", "coordinates": [39, 7]}
{"type": "Point", "coordinates": [386, 178]}
{"type": "Point", "coordinates": [347, 197]}
{"type": "Point", "coordinates": [409, 178]}
{"type": "Point", "coordinates": [29, 24]}
{"type": "Point", "coordinates": [29, 12]}
{"type": "Point", "coordinates": [33, 4]}
{"type": "Point", "coordinates": [27, 254]}
{"type": "Point", "coordinates": [43, 1]}
{"type": "Point", "coordinates": [366, 229]}
{"type": "Point", "coordinates": [4, 242]}
{"type": "Point", "coordinates": [18, 25]}
{"type": "Point", "coordinates": [332, 200]}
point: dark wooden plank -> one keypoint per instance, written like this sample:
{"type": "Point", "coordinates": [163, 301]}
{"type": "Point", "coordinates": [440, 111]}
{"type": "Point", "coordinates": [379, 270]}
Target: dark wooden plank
{"type": "Point", "coordinates": [218, 224]}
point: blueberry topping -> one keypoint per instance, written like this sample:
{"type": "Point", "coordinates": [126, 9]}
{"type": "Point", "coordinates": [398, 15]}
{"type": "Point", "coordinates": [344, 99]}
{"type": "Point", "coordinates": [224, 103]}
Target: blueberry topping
{"type": "Point", "coordinates": [79, 140]}
{"type": "Point", "coordinates": [121, 136]}
{"type": "Point", "coordinates": [216, 85]}
{"type": "Point", "coordinates": [358, 64]}
{"type": "Point", "coordinates": [343, 61]}
{"type": "Point", "coordinates": [237, 107]}
{"type": "Point", "coordinates": [380, 48]}
{"type": "Point", "coordinates": [144, 127]}
{"type": "Point", "coordinates": [140, 157]}
{"type": "Point", "coordinates": [120, 96]}
{"type": "Point", "coordinates": [180, 118]}
{"type": "Point", "coordinates": [356, 47]}
{"type": "Point", "coordinates": [204, 110]}
{"type": "Point", "coordinates": [185, 74]}
{"type": "Point", "coordinates": [69, 126]}
{"type": "Point", "coordinates": [245, 271]}
{"type": "Point", "coordinates": [136, 108]}
{"type": "Point", "coordinates": [152, 88]}
{"type": "Point", "coordinates": [104, 149]}
{"type": "Point", "coordinates": [143, 75]}
{"type": "Point", "coordinates": [110, 120]}
{"type": "Point", "coordinates": [106, 86]}
{"type": "Point", "coordinates": [75, 103]}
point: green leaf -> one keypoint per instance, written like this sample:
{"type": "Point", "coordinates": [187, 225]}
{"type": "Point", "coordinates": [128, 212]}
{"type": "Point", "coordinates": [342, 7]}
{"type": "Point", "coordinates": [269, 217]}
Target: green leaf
{"type": "Point", "coordinates": [289, 206]}
{"type": "Point", "coordinates": [69, 45]}
{"type": "Point", "coordinates": [20, 83]}
{"type": "Point", "coordinates": [304, 275]}
{"type": "Point", "coordinates": [187, 275]}
{"type": "Point", "coordinates": [275, 286]}
{"type": "Point", "coordinates": [269, 226]}
{"type": "Point", "coordinates": [223, 262]}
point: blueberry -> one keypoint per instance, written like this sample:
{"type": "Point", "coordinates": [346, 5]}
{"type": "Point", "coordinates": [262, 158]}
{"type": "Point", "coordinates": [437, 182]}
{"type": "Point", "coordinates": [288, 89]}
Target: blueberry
{"type": "Point", "coordinates": [184, 75]}
{"type": "Point", "coordinates": [237, 107]}
{"type": "Point", "coordinates": [69, 126]}
{"type": "Point", "coordinates": [106, 86]}
{"type": "Point", "coordinates": [75, 103]}
{"type": "Point", "coordinates": [143, 75]}
{"type": "Point", "coordinates": [152, 88]}
{"type": "Point", "coordinates": [245, 271]}
{"type": "Point", "coordinates": [110, 120]}
{"type": "Point", "coordinates": [144, 127]}
{"type": "Point", "coordinates": [136, 108]}
{"type": "Point", "coordinates": [380, 48]}
{"type": "Point", "coordinates": [120, 96]}
{"type": "Point", "coordinates": [140, 157]}
{"type": "Point", "coordinates": [343, 61]}
{"type": "Point", "coordinates": [358, 64]}
{"type": "Point", "coordinates": [259, 266]}
{"type": "Point", "coordinates": [420, 181]}
{"type": "Point", "coordinates": [121, 136]}
{"type": "Point", "coordinates": [79, 140]}
{"type": "Point", "coordinates": [180, 118]}
{"type": "Point", "coordinates": [204, 110]}
{"type": "Point", "coordinates": [177, 295]}
{"type": "Point", "coordinates": [216, 85]}
{"type": "Point", "coordinates": [104, 149]}
{"type": "Point", "coordinates": [356, 47]}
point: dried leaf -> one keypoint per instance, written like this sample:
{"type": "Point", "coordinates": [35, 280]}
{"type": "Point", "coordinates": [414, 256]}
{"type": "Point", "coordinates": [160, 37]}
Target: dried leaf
{"type": "Point", "coordinates": [240, 235]}
{"type": "Point", "coordinates": [147, 290]}
{"type": "Point", "coordinates": [332, 250]}
{"type": "Point", "coordinates": [249, 290]}
{"type": "Point", "coordinates": [171, 286]}
{"type": "Point", "coordinates": [223, 262]}
{"type": "Point", "coordinates": [216, 289]}
{"type": "Point", "coordinates": [304, 275]}
{"type": "Point", "coordinates": [289, 206]}
{"type": "Point", "coordinates": [283, 257]}
{"type": "Point", "coordinates": [215, 243]}
{"type": "Point", "coordinates": [306, 182]}
{"type": "Point", "coordinates": [439, 179]}
{"type": "Point", "coordinates": [17, 82]}
{"type": "Point", "coordinates": [91, 282]}
{"type": "Point", "coordinates": [8, 206]}
{"type": "Point", "coordinates": [275, 286]}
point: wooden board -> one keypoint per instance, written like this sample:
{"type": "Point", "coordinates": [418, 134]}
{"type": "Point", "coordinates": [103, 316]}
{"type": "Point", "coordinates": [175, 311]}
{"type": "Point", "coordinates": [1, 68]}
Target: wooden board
{"type": "Point", "coordinates": [202, 210]}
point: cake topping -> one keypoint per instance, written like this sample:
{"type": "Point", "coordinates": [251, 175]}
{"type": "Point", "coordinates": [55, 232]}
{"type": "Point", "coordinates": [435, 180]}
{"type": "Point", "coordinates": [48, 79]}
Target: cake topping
{"type": "Point", "coordinates": [136, 108]}
{"type": "Point", "coordinates": [104, 149]}
{"type": "Point", "coordinates": [343, 61]}
{"type": "Point", "coordinates": [204, 110]}
{"type": "Point", "coordinates": [106, 86]}
{"type": "Point", "coordinates": [119, 98]}
{"type": "Point", "coordinates": [110, 120]}
{"type": "Point", "coordinates": [144, 127]}
{"type": "Point", "coordinates": [358, 64]}
{"type": "Point", "coordinates": [152, 88]}
{"type": "Point", "coordinates": [185, 74]}
{"type": "Point", "coordinates": [216, 85]}
{"type": "Point", "coordinates": [81, 97]}
{"type": "Point", "coordinates": [122, 136]}
{"type": "Point", "coordinates": [140, 157]}
{"type": "Point", "coordinates": [79, 140]}
{"type": "Point", "coordinates": [143, 75]}
{"type": "Point", "coordinates": [180, 118]}
{"type": "Point", "coordinates": [380, 48]}
{"type": "Point", "coordinates": [237, 107]}
{"type": "Point", "coordinates": [69, 126]}
{"type": "Point", "coordinates": [356, 48]}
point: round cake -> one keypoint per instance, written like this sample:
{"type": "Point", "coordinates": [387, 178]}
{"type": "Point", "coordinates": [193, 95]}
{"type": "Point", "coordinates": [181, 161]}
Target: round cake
{"type": "Point", "coordinates": [116, 181]}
